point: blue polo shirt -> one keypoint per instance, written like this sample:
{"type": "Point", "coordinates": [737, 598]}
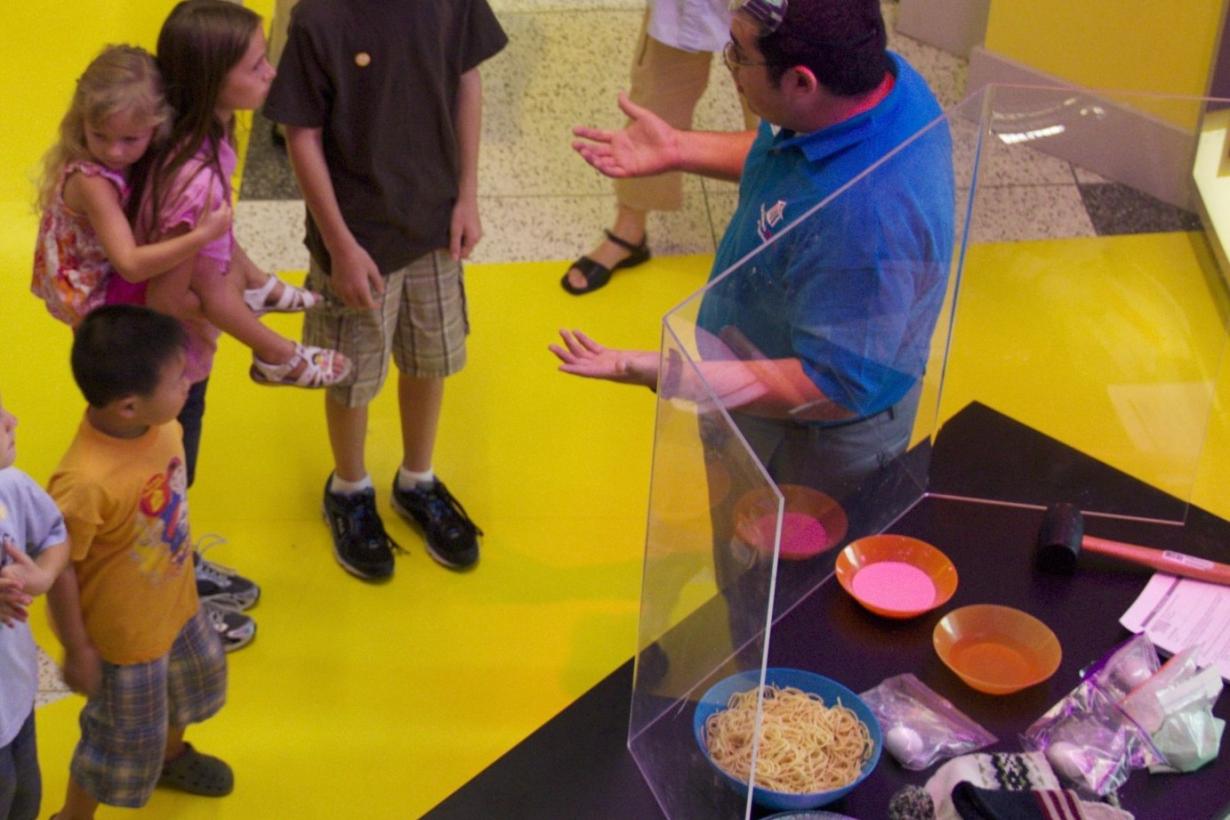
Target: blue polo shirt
{"type": "Point", "coordinates": [854, 288]}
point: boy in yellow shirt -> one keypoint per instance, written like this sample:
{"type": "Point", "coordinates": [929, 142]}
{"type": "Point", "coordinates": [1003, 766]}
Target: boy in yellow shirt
{"type": "Point", "coordinates": [136, 641]}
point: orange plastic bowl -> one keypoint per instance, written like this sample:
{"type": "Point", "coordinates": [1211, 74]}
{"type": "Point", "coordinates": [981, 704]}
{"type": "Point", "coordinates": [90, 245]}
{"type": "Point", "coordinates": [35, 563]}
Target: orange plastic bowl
{"type": "Point", "coordinates": [996, 649]}
{"type": "Point", "coordinates": [813, 522]}
{"type": "Point", "coordinates": [918, 555]}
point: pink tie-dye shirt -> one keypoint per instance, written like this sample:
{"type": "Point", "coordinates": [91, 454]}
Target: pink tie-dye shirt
{"type": "Point", "coordinates": [196, 188]}
{"type": "Point", "coordinates": [71, 268]}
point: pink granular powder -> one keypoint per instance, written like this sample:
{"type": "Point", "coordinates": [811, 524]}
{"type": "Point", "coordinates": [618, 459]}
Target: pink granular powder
{"type": "Point", "coordinates": [894, 585]}
{"type": "Point", "coordinates": [802, 535]}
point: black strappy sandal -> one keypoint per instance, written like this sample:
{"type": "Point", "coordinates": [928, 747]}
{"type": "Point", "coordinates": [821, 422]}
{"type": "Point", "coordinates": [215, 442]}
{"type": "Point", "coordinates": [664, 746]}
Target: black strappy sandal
{"type": "Point", "coordinates": [596, 275]}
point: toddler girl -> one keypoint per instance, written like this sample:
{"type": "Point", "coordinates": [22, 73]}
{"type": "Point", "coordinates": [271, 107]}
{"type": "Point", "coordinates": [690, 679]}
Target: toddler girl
{"type": "Point", "coordinates": [116, 112]}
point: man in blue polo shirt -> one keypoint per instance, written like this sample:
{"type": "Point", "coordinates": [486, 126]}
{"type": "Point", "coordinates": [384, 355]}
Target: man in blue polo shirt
{"type": "Point", "coordinates": [826, 285]}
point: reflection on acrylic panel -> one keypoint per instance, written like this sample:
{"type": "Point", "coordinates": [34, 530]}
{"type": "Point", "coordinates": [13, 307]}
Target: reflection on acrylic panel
{"type": "Point", "coordinates": [749, 506]}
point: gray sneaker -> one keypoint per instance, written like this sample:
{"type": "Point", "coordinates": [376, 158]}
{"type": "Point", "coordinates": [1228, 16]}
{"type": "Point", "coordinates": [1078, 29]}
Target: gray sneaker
{"type": "Point", "coordinates": [235, 629]}
{"type": "Point", "coordinates": [220, 584]}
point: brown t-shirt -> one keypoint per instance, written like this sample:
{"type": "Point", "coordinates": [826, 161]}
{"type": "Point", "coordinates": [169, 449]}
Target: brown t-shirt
{"type": "Point", "coordinates": [380, 78]}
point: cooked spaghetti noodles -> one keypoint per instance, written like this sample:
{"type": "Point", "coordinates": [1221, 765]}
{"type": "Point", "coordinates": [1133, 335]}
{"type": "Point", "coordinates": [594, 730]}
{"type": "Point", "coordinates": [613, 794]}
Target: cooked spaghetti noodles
{"type": "Point", "coordinates": [805, 746]}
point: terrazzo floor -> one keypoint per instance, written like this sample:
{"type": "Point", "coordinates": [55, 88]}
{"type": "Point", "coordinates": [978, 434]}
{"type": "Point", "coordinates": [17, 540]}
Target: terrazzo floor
{"type": "Point", "coordinates": [542, 202]}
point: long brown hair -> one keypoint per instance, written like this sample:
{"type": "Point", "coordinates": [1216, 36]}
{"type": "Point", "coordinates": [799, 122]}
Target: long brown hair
{"type": "Point", "coordinates": [121, 79]}
{"type": "Point", "coordinates": [200, 42]}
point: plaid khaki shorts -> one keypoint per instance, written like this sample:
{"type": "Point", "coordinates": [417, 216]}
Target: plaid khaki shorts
{"type": "Point", "coordinates": [124, 727]}
{"type": "Point", "coordinates": [421, 321]}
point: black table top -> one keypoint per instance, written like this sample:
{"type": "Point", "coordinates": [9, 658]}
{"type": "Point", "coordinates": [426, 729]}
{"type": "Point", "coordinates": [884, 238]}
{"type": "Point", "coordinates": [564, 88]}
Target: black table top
{"type": "Point", "coordinates": [578, 764]}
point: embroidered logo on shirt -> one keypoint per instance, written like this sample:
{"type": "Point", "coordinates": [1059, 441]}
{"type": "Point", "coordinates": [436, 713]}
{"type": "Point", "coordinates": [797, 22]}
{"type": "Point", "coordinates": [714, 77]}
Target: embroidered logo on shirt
{"type": "Point", "coordinates": [770, 218]}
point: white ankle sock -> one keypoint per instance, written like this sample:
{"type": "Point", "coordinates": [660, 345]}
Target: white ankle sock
{"type": "Point", "coordinates": [342, 487]}
{"type": "Point", "coordinates": [409, 479]}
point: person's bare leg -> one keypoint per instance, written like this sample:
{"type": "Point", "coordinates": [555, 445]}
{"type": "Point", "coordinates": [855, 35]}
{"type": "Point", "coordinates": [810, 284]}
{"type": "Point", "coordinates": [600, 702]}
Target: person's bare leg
{"type": "Point", "coordinates": [419, 401]}
{"type": "Point", "coordinates": [222, 303]}
{"type": "Point", "coordinates": [175, 743]}
{"type": "Point", "coordinates": [253, 277]}
{"type": "Point", "coordinates": [171, 293]}
{"type": "Point", "coordinates": [629, 226]}
{"type": "Point", "coordinates": [347, 436]}
{"type": "Point", "coordinates": [244, 274]}
{"type": "Point", "coordinates": [78, 803]}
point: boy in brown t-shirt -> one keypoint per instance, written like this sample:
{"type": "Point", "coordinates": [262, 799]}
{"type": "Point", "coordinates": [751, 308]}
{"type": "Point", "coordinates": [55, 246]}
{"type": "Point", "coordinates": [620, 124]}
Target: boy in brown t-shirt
{"type": "Point", "coordinates": [382, 107]}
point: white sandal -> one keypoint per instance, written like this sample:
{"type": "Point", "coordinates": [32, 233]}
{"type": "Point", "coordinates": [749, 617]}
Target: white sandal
{"type": "Point", "coordinates": [292, 299]}
{"type": "Point", "coordinates": [317, 369]}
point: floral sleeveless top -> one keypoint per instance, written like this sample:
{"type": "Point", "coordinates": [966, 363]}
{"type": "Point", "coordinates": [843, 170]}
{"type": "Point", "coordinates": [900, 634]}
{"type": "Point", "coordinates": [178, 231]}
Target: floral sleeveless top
{"type": "Point", "coordinates": [70, 265]}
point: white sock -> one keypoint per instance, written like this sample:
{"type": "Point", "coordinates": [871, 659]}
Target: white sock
{"type": "Point", "coordinates": [409, 479]}
{"type": "Point", "coordinates": [342, 487]}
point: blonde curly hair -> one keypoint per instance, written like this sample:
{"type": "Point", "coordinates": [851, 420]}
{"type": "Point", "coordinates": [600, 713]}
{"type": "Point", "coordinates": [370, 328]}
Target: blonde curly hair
{"type": "Point", "coordinates": [120, 79]}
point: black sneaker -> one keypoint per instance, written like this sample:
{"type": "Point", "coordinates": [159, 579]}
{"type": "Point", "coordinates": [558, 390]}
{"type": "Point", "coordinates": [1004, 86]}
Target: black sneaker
{"type": "Point", "coordinates": [452, 538]}
{"type": "Point", "coordinates": [360, 543]}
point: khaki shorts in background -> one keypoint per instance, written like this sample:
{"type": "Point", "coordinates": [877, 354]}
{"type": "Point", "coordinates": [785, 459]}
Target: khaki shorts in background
{"type": "Point", "coordinates": [420, 320]}
{"type": "Point", "coordinates": [669, 82]}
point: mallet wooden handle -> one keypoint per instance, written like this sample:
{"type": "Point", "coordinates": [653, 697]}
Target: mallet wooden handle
{"type": "Point", "coordinates": [1173, 563]}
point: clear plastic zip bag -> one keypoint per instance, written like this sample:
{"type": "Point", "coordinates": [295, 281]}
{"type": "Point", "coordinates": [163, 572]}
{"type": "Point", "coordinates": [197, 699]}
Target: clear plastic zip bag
{"type": "Point", "coordinates": [920, 726]}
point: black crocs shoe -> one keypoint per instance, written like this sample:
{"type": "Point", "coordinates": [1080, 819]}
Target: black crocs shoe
{"type": "Point", "coordinates": [452, 538]}
{"type": "Point", "coordinates": [198, 773]}
{"type": "Point", "coordinates": [360, 543]}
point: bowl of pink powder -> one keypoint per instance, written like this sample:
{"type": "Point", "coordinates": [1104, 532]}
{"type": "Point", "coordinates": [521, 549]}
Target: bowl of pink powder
{"type": "Point", "coordinates": [896, 576]}
{"type": "Point", "coordinates": [812, 522]}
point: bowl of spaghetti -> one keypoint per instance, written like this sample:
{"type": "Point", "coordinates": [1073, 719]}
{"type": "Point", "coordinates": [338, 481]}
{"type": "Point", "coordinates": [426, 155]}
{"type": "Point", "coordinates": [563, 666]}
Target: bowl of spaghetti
{"type": "Point", "coordinates": [819, 739]}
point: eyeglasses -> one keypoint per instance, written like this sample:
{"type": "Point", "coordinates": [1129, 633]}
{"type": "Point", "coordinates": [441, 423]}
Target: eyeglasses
{"type": "Point", "coordinates": [730, 56]}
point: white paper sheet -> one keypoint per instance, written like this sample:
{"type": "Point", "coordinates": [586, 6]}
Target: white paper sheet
{"type": "Point", "coordinates": [1178, 612]}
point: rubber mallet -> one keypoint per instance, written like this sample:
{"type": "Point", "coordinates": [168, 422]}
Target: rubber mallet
{"type": "Point", "coordinates": [1062, 538]}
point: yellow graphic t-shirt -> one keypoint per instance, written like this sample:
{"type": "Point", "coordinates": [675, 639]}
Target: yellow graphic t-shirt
{"type": "Point", "coordinates": [125, 503]}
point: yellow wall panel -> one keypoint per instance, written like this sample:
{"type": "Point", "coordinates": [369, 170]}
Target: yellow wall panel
{"type": "Point", "coordinates": [1140, 45]}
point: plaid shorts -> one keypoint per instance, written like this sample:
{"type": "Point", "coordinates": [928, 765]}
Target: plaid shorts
{"type": "Point", "coordinates": [421, 321]}
{"type": "Point", "coordinates": [124, 727]}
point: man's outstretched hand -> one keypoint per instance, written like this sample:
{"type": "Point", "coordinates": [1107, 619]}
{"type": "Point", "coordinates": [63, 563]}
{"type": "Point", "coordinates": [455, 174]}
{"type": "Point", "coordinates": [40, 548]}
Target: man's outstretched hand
{"type": "Point", "coordinates": [647, 145]}
{"type": "Point", "coordinates": [582, 356]}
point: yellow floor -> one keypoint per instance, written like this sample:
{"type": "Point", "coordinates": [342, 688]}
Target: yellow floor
{"type": "Point", "coordinates": [358, 700]}
{"type": "Point", "coordinates": [379, 701]}
{"type": "Point", "coordinates": [410, 688]}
